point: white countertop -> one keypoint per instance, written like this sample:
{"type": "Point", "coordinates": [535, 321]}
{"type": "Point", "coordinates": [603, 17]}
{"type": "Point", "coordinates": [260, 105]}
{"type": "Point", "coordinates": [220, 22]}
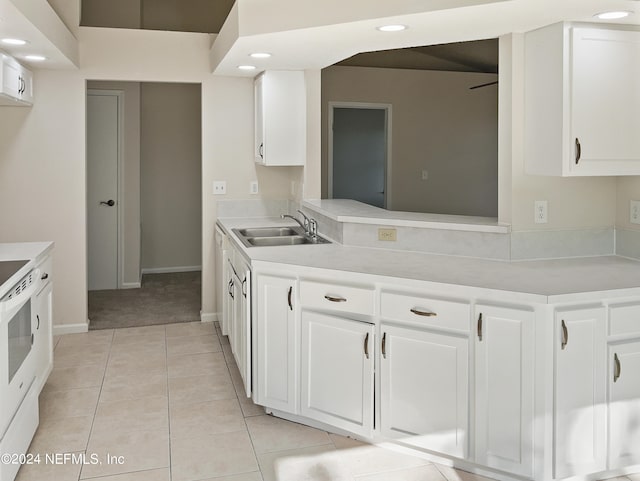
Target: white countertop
{"type": "Point", "coordinates": [557, 280]}
{"type": "Point", "coordinates": [346, 210]}
{"type": "Point", "coordinates": [34, 252]}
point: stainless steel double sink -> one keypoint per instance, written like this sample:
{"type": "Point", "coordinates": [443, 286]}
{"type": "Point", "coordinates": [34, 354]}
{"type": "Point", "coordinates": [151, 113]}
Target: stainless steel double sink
{"type": "Point", "coordinates": [276, 236]}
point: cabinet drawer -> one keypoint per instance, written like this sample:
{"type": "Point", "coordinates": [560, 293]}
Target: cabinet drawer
{"type": "Point", "coordinates": [426, 311]}
{"type": "Point", "coordinates": [624, 319]}
{"type": "Point", "coordinates": [336, 297]}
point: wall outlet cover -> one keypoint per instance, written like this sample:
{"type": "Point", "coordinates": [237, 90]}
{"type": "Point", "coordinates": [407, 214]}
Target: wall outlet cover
{"type": "Point", "coordinates": [387, 235]}
{"type": "Point", "coordinates": [540, 212]}
{"type": "Point", "coordinates": [634, 212]}
{"type": "Point", "coordinates": [253, 187]}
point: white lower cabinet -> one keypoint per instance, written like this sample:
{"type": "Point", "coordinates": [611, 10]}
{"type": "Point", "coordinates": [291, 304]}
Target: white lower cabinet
{"type": "Point", "coordinates": [43, 335]}
{"type": "Point", "coordinates": [504, 394]}
{"type": "Point", "coordinates": [275, 342]}
{"type": "Point", "coordinates": [580, 383]}
{"type": "Point", "coordinates": [424, 386]}
{"type": "Point", "coordinates": [624, 404]}
{"type": "Point", "coordinates": [336, 380]}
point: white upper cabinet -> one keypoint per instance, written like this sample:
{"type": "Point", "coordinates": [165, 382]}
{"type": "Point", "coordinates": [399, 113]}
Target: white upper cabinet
{"type": "Point", "coordinates": [280, 118]}
{"type": "Point", "coordinates": [17, 83]}
{"type": "Point", "coordinates": [582, 101]}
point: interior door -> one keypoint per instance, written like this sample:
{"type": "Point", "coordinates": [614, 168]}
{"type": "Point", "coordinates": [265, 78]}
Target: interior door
{"type": "Point", "coordinates": [102, 188]}
{"type": "Point", "coordinates": [359, 154]}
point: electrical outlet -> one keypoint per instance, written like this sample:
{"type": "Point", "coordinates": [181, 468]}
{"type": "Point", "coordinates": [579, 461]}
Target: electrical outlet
{"type": "Point", "coordinates": [540, 211]}
{"type": "Point", "coordinates": [634, 212]}
{"type": "Point", "coordinates": [219, 187]}
{"type": "Point", "coordinates": [253, 187]}
{"type": "Point", "coordinates": [425, 175]}
{"type": "Point", "coordinates": [387, 235]}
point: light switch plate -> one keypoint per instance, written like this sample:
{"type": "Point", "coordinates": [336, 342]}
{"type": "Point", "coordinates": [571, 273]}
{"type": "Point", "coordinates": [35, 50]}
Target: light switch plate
{"type": "Point", "coordinates": [634, 212]}
{"type": "Point", "coordinates": [387, 235]}
{"type": "Point", "coordinates": [219, 187]}
{"type": "Point", "coordinates": [253, 187]}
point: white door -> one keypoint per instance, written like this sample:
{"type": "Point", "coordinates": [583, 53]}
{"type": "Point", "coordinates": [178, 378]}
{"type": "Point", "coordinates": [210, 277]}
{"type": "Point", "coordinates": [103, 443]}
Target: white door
{"type": "Point", "coordinates": [424, 389]}
{"type": "Point", "coordinates": [102, 188]}
{"type": "Point", "coordinates": [624, 404]}
{"type": "Point", "coordinates": [337, 372]}
{"type": "Point", "coordinates": [504, 389]}
{"type": "Point", "coordinates": [580, 363]}
{"type": "Point", "coordinates": [358, 160]}
{"type": "Point", "coordinates": [276, 341]}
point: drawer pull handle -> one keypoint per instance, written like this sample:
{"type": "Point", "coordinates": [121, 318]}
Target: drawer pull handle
{"type": "Point", "coordinates": [335, 298]}
{"type": "Point", "coordinates": [480, 327]}
{"type": "Point", "coordinates": [45, 276]}
{"type": "Point", "coordinates": [366, 345]}
{"type": "Point", "coordinates": [565, 336]}
{"type": "Point", "coordinates": [384, 345]}
{"type": "Point", "coordinates": [578, 150]}
{"type": "Point", "coordinates": [617, 369]}
{"type": "Point", "coordinates": [418, 312]}
{"type": "Point", "coordinates": [289, 298]}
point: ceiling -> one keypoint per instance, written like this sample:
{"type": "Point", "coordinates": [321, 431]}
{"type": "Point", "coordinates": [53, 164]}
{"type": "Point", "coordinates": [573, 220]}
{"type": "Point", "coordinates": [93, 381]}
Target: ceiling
{"type": "Point", "coordinates": [475, 56]}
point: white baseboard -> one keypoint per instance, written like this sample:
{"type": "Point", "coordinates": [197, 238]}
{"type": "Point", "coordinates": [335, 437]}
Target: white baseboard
{"type": "Point", "coordinates": [166, 270]}
{"type": "Point", "coordinates": [61, 329]}
{"type": "Point", "coordinates": [208, 316]}
{"type": "Point", "coordinates": [130, 285]}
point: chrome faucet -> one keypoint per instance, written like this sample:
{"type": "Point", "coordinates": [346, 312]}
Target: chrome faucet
{"type": "Point", "coordinates": [310, 226]}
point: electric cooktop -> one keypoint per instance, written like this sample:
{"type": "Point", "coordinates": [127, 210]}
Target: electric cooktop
{"type": "Point", "coordinates": [9, 268]}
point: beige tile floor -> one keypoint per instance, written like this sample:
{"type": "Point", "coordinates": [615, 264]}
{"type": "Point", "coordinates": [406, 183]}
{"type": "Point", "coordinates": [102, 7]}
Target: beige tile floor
{"type": "Point", "coordinates": [169, 401]}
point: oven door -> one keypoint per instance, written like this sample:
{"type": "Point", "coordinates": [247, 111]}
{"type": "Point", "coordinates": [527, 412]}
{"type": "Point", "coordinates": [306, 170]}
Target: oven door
{"type": "Point", "coordinates": [17, 362]}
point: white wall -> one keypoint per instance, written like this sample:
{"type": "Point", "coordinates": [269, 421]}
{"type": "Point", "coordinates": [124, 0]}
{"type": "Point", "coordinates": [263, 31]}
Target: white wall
{"type": "Point", "coordinates": [42, 149]}
{"type": "Point", "coordinates": [170, 175]}
{"type": "Point", "coordinates": [438, 125]}
{"type": "Point", "coordinates": [628, 189]}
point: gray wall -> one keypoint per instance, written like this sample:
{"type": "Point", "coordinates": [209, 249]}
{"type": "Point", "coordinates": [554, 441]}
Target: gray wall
{"type": "Point", "coordinates": [176, 15]}
{"type": "Point", "coordinates": [438, 125]}
{"type": "Point", "coordinates": [171, 173]}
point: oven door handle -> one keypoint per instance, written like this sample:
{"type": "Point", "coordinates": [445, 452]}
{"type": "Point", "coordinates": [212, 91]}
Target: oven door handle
{"type": "Point", "coordinates": [13, 305]}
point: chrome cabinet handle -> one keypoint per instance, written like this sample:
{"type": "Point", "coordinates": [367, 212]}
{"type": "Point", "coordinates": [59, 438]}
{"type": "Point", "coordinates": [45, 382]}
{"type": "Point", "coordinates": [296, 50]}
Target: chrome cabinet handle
{"type": "Point", "coordinates": [45, 276]}
{"type": "Point", "coordinates": [38, 318]}
{"type": "Point", "coordinates": [384, 345]}
{"type": "Point", "coordinates": [480, 327]}
{"type": "Point", "coordinates": [419, 312]}
{"type": "Point", "coordinates": [578, 150]}
{"type": "Point", "coordinates": [335, 298]}
{"type": "Point", "coordinates": [261, 150]}
{"type": "Point", "coordinates": [617, 369]}
{"type": "Point", "coordinates": [244, 285]}
{"type": "Point", "coordinates": [231, 284]}
{"type": "Point", "coordinates": [565, 336]}
{"type": "Point", "coordinates": [366, 345]}
{"type": "Point", "coordinates": [289, 298]}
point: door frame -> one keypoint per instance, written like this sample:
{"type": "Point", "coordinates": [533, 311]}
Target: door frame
{"type": "Point", "coordinates": [119, 182]}
{"type": "Point", "coordinates": [361, 105]}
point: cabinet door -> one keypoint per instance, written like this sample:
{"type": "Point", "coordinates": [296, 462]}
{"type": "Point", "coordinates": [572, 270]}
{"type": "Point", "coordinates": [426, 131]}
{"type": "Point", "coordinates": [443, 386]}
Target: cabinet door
{"type": "Point", "coordinates": [242, 327]}
{"type": "Point", "coordinates": [424, 388]}
{"type": "Point", "coordinates": [337, 371]}
{"type": "Point", "coordinates": [276, 342]}
{"type": "Point", "coordinates": [605, 100]}
{"type": "Point", "coordinates": [624, 404]}
{"type": "Point", "coordinates": [230, 305]}
{"type": "Point", "coordinates": [11, 80]}
{"type": "Point", "coordinates": [43, 335]}
{"type": "Point", "coordinates": [580, 382]}
{"type": "Point", "coordinates": [259, 120]}
{"type": "Point", "coordinates": [504, 388]}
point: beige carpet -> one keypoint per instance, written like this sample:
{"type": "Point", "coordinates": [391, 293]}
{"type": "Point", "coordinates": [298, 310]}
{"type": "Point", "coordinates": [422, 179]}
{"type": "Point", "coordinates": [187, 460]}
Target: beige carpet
{"type": "Point", "coordinates": [162, 299]}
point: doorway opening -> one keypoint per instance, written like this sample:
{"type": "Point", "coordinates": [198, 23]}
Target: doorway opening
{"type": "Point", "coordinates": [359, 156]}
{"type": "Point", "coordinates": [144, 268]}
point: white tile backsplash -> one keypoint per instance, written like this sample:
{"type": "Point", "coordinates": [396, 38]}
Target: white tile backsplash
{"type": "Point", "coordinates": [551, 244]}
{"type": "Point", "coordinates": [253, 207]}
{"type": "Point", "coordinates": [628, 243]}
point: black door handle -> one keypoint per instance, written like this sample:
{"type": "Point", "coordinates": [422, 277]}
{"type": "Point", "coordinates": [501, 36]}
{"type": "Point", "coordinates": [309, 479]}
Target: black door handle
{"type": "Point", "coordinates": [110, 202]}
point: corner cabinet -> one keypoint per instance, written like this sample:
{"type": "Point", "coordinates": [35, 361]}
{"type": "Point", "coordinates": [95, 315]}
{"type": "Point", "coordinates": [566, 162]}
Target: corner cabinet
{"type": "Point", "coordinates": [582, 101]}
{"type": "Point", "coordinates": [16, 86]}
{"type": "Point", "coordinates": [280, 118]}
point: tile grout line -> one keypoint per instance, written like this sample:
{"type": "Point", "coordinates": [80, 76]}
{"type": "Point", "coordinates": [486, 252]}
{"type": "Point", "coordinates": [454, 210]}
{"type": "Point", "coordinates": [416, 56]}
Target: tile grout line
{"type": "Point", "coordinates": [166, 360]}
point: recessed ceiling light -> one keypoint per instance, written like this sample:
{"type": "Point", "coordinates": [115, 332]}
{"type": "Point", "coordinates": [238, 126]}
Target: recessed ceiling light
{"type": "Point", "coordinates": [260, 55]}
{"type": "Point", "coordinates": [14, 41]}
{"type": "Point", "coordinates": [612, 15]}
{"type": "Point", "coordinates": [246, 67]}
{"type": "Point", "coordinates": [392, 28]}
{"type": "Point", "coordinates": [35, 58]}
